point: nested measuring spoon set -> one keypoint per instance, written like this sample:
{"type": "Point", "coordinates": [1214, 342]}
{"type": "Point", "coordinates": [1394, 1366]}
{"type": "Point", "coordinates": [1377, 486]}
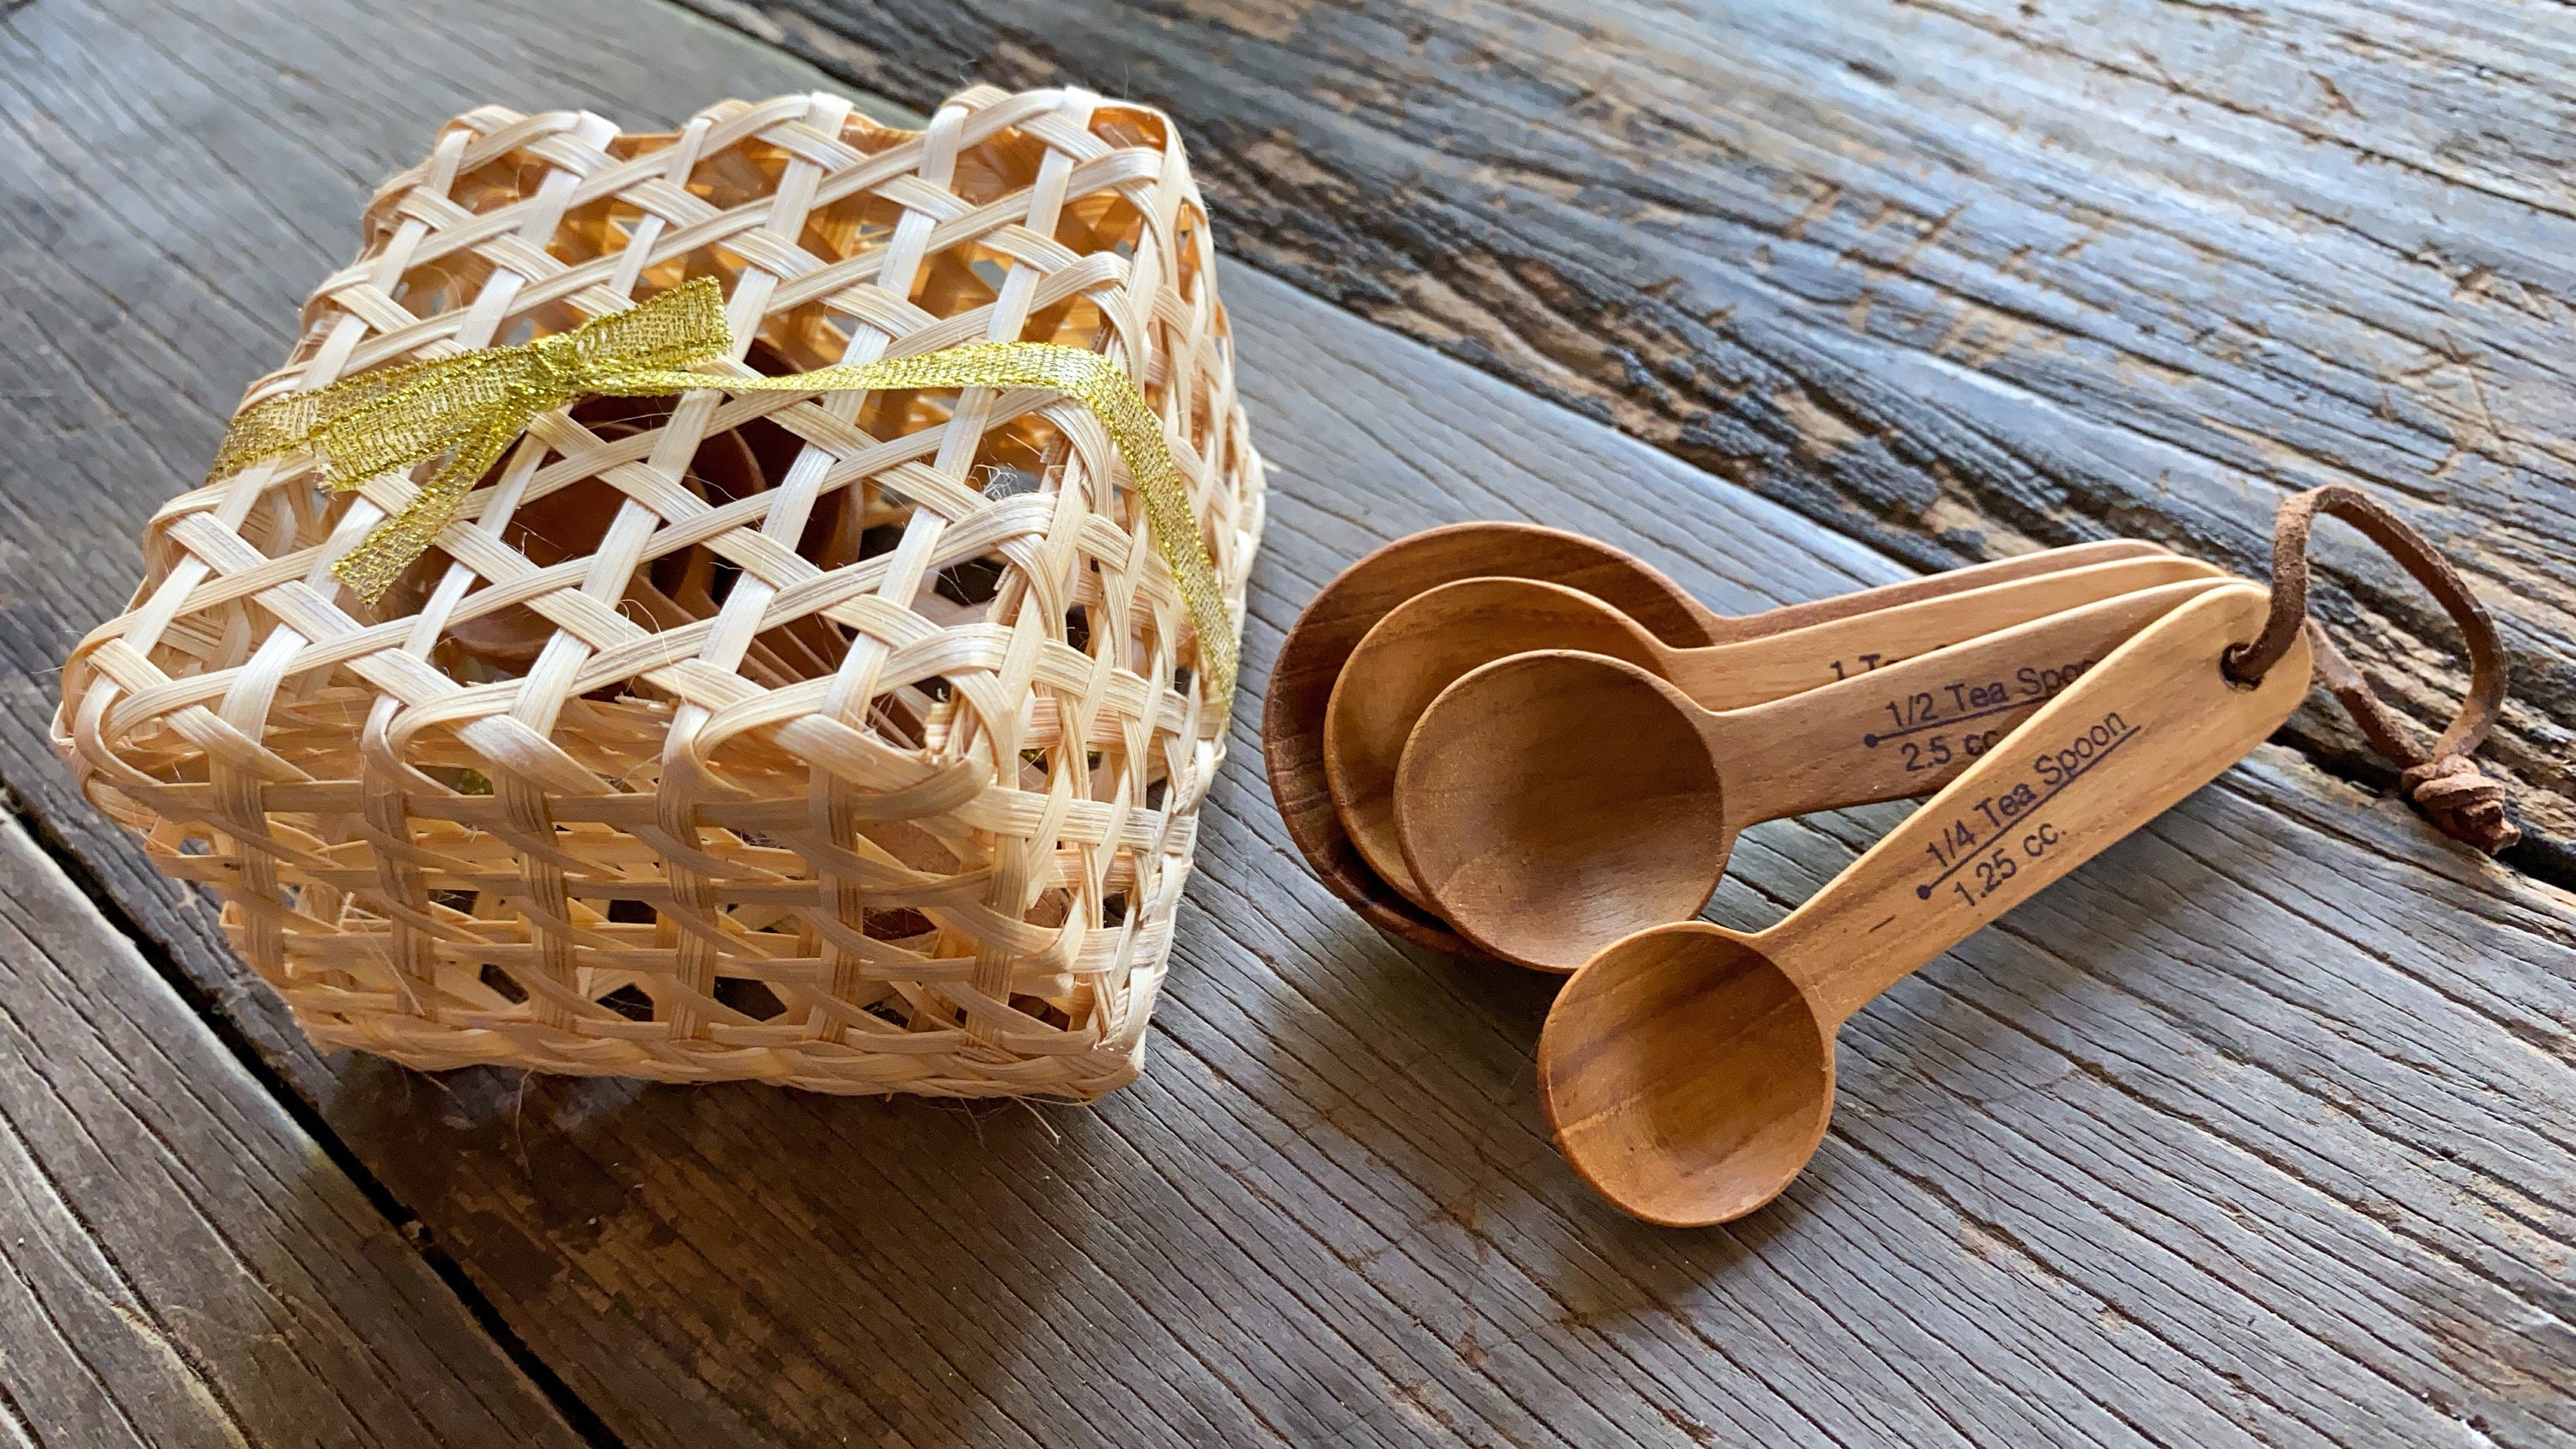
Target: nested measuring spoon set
{"type": "Point", "coordinates": [1499, 739]}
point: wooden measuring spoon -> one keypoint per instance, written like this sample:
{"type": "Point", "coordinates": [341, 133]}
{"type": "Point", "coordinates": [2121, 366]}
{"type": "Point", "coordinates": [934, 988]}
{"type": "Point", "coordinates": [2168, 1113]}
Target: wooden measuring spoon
{"type": "Point", "coordinates": [1428, 643]}
{"type": "Point", "coordinates": [1555, 802]}
{"type": "Point", "coordinates": [1688, 1071]}
{"type": "Point", "coordinates": [1334, 621]}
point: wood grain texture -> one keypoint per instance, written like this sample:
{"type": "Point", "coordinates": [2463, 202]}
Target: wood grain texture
{"type": "Point", "coordinates": [1950, 275]}
{"type": "Point", "coordinates": [179, 1264]}
{"type": "Point", "coordinates": [2253, 1132]}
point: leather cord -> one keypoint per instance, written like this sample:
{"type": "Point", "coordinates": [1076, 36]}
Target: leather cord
{"type": "Point", "coordinates": [2443, 782]}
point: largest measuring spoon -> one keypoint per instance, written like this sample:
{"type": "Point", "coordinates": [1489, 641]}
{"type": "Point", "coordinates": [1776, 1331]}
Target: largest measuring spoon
{"type": "Point", "coordinates": [1335, 620]}
{"type": "Point", "coordinates": [1688, 1071]}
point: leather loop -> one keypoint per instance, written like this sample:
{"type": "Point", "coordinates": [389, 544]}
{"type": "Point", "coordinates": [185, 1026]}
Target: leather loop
{"type": "Point", "coordinates": [2443, 781]}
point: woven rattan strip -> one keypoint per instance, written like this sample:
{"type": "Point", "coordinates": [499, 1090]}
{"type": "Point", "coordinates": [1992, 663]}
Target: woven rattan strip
{"type": "Point", "coordinates": [853, 743]}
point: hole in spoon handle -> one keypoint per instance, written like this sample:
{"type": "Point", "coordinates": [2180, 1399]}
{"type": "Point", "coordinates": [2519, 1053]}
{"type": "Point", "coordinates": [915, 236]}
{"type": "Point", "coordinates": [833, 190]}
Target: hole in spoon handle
{"type": "Point", "coordinates": [2151, 723]}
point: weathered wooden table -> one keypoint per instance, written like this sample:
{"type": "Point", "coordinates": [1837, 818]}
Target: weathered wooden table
{"type": "Point", "coordinates": [2258, 1130]}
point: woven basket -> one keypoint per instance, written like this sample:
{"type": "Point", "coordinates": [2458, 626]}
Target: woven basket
{"type": "Point", "coordinates": [851, 743]}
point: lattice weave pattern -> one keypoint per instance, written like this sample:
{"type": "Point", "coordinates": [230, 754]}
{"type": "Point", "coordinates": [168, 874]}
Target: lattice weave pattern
{"type": "Point", "coordinates": [854, 743]}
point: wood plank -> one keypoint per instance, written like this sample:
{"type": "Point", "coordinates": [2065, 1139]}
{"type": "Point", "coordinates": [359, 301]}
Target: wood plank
{"type": "Point", "coordinates": [179, 1263]}
{"type": "Point", "coordinates": [2253, 1132]}
{"type": "Point", "coordinates": [1955, 276]}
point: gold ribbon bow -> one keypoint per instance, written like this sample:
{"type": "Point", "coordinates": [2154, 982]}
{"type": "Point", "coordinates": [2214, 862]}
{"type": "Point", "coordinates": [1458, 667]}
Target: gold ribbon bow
{"type": "Point", "coordinates": [471, 407]}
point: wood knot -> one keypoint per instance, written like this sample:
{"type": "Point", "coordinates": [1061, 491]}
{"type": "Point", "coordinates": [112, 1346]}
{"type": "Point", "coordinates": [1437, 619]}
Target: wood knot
{"type": "Point", "coordinates": [2462, 802]}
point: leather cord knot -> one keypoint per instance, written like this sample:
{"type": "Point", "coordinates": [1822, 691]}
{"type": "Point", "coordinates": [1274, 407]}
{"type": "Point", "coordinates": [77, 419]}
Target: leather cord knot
{"type": "Point", "coordinates": [2443, 782]}
{"type": "Point", "coordinates": [2466, 804]}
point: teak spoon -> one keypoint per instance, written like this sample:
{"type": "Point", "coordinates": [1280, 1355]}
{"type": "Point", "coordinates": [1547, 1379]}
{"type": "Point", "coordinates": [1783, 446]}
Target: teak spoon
{"type": "Point", "coordinates": [1334, 621]}
{"type": "Point", "coordinates": [1688, 1071]}
{"type": "Point", "coordinates": [1554, 802]}
{"type": "Point", "coordinates": [1422, 647]}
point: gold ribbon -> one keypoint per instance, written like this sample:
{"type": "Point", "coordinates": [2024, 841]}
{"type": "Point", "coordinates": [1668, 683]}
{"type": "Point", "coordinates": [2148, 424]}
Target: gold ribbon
{"type": "Point", "coordinates": [471, 407]}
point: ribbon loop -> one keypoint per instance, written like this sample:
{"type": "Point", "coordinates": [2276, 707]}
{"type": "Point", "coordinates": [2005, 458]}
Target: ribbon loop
{"type": "Point", "coordinates": [469, 409]}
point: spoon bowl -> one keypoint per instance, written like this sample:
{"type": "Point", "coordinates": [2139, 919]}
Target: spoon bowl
{"type": "Point", "coordinates": [1719, 1139]}
{"type": "Point", "coordinates": [1418, 650]}
{"type": "Point", "coordinates": [1573, 844]}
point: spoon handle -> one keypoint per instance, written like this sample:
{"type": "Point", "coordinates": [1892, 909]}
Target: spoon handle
{"type": "Point", "coordinates": [1928, 586]}
{"type": "Point", "coordinates": [2151, 723]}
{"type": "Point", "coordinates": [1755, 671]}
{"type": "Point", "coordinates": [1911, 728]}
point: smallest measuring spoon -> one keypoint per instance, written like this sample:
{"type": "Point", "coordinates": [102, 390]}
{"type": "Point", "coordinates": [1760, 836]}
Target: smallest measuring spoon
{"type": "Point", "coordinates": [1688, 1070]}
